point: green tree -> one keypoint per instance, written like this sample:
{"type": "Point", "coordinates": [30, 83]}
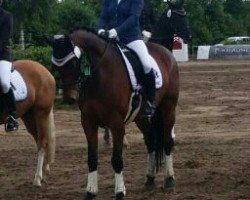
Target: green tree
{"type": "Point", "coordinates": [72, 13]}
{"type": "Point", "coordinates": [30, 16]}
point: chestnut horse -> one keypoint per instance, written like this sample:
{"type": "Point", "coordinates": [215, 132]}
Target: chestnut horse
{"type": "Point", "coordinates": [104, 102]}
{"type": "Point", "coordinates": [36, 111]}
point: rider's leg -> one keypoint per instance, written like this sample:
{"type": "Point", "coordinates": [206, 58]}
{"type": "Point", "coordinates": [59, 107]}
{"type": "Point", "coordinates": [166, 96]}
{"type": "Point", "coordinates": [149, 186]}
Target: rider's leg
{"type": "Point", "coordinates": [8, 96]}
{"type": "Point", "coordinates": [149, 79]}
{"type": "Point", "coordinates": [10, 105]}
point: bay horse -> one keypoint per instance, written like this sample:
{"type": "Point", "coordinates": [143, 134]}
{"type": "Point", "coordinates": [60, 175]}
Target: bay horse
{"type": "Point", "coordinates": [104, 102]}
{"type": "Point", "coordinates": [69, 83]}
{"type": "Point", "coordinates": [36, 111]}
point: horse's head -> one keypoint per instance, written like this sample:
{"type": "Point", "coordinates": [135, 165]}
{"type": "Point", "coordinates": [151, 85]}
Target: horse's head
{"type": "Point", "coordinates": [66, 60]}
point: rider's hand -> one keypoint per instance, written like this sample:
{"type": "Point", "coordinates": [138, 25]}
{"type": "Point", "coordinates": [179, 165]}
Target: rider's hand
{"type": "Point", "coordinates": [102, 33]}
{"type": "Point", "coordinates": [112, 33]}
{"type": "Point", "coordinates": [146, 35]}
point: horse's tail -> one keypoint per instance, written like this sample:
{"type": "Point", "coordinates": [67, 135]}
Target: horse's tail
{"type": "Point", "coordinates": [158, 131]}
{"type": "Point", "coordinates": [51, 138]}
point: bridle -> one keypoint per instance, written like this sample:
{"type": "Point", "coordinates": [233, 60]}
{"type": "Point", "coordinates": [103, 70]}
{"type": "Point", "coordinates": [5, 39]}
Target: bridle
{"type": "Point", "coordinates": [60, 62]}
{"type": "Point", "coordinates": [77, 54]}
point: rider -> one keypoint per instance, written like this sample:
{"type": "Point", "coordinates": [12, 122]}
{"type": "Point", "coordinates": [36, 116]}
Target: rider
{"type": "Point", "coordinates": [121, 18]}
{"type": "Point", "coordinates": [6, 25]}
{"type": "Point", "coordinates": [173, 14]}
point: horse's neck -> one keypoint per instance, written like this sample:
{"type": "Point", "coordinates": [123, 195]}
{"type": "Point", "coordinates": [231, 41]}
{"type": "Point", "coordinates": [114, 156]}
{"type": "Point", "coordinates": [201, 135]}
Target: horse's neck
{"type": "Point", "coordinates": [94, 47]}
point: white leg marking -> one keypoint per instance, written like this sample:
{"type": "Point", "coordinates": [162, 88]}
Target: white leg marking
{"type": "Point", "coordinates": [119, 184]}
{"type": "Point", "coordinates": [39, 170]}
{"type": "Point", "coordinates": [51, 139]}
{"type": "Point", "coordinates": [47, 169]}
{"type": "Point", "coordinates": [125, 142]}
{"type": "Point", "coordinates": [172, 133]}
{"type": "Point", "coordinates": [169, 170]}
{"type": "Point", "coordinates": [92, 185]}
{"type": "Point", "coordinates": [151, 171]}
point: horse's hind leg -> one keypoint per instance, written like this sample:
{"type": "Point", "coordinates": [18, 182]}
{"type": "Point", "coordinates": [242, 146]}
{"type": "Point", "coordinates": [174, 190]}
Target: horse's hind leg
{"type": "Point", "coordinates": [45, 143]}
{"type": "Point", "coordinates": [149, 139]}
{"type": "Point", "coordinates": [159, 140]}
{"type": "Point", "coordinates": [168, 117]}
{"type": "Point", "coordinates": [107, 139]}
{"type": "Point", "coordinates": [39, 125]}
{"type": "Point", "coordinates": [30, 123]}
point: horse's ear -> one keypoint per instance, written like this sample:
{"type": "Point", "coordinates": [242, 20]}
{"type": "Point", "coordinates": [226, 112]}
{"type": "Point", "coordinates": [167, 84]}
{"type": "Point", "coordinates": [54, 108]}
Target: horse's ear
{"type": "Point", "coordinates": [49, 40]}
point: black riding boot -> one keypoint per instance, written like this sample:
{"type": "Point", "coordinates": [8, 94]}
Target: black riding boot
{"type": "Point", "coordinates": [149, 88]}
{"type": "Point", "coordinates": [10, 106]}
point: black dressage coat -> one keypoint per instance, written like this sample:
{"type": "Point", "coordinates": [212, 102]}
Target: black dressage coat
{"type": "Point", "coordinates": [6, 26]}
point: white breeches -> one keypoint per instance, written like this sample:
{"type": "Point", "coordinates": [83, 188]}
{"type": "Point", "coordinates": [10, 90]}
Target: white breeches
{"type": "Point", "coordinates": [5, 71]}
{"type": "Point", "coordinates": [141, 50]}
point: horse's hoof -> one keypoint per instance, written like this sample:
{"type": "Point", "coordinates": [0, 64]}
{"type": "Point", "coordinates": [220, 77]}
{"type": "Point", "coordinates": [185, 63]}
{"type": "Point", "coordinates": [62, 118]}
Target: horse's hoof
{"type": "Point", "coordinates": [89, 196]}
{"type": "Point", "coordinates": [37, 182]}
{"type": "Point", "coordinates": [119, 196]}
{"type": "Point", "coordinates": [150, 183]}
{"type": "Point", "coordinates": [169, 184]}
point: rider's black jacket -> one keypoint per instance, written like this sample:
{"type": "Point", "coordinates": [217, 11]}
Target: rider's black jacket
{"type": "Point", "coordinates": [6, 26]}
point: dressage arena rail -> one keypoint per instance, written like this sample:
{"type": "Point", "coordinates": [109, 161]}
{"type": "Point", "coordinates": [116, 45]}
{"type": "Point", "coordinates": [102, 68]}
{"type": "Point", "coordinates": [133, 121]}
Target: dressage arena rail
{"type": "Point", "coordinates": [224, 52]}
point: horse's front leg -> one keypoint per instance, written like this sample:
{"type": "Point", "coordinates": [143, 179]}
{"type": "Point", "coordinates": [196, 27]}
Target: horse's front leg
{"type": "Point", "coordinates": [118, 132]}
{"type": "Point", "coordinates": [91, 130]}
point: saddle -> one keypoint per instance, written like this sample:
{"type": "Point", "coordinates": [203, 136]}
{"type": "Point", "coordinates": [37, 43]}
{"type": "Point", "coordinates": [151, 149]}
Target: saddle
{"type": "Point", "coordinates": [135, 73]}
{"type": "Point", "coordinates": [134, 68]}
{"type": "Point", "coordinates": [19, 88]}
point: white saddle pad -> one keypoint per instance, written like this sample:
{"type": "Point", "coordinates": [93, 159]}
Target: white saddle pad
{"type": "Point", "coordinates": [135, 85]}
{"type": "Point", "coordinates": [18, 85]}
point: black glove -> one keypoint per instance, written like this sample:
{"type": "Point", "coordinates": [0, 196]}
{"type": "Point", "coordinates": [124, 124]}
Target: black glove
{"type": "Point", "coordinates": [104, 34]}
